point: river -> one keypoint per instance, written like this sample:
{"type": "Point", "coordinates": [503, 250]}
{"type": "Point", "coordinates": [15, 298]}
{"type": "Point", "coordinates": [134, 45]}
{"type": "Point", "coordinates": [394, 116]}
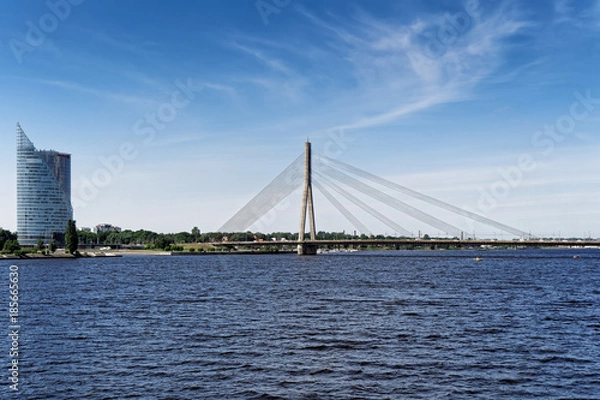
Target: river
{"type": "Point", "coordinates": [379, 325]}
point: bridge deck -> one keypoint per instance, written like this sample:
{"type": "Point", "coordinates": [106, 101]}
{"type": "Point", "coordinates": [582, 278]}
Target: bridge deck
{"type": "Point", "coordinates": [419, 242]}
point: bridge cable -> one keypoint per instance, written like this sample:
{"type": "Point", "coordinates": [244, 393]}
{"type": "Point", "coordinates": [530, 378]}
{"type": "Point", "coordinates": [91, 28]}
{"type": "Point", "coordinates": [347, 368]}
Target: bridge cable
{"type": "Point", "coordinates": [390, 201]}
{"type": "Point", "coordinates": [343, 210]}
{"type": "Point", "coordinates": [425, 198]}
{"type": "Point", "coordinates": [365, 207]}
{"type": "Point", "coordinates": [274, 193]}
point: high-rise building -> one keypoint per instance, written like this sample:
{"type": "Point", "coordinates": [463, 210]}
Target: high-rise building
{"type": "Point", "coordinates": [43, 192]}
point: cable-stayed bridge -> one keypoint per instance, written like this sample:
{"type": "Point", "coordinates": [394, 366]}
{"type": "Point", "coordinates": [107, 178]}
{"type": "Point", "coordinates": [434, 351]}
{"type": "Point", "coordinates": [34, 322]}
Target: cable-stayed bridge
{"type": "Point", "coordinates": [336, 180]}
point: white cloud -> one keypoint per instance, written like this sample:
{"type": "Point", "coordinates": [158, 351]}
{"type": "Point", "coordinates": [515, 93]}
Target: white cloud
{"type": "Point", "coordinates": [395, 73]}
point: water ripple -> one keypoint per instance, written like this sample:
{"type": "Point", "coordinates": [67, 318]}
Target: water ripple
{"type": "Point", "coordinates": [395, 325]}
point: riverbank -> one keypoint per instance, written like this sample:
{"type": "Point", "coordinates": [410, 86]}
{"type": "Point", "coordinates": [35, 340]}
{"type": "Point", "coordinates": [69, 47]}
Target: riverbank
{"type": "Point", "coordinates": [196, 253]}
{"type": "Point", "coordinates": [129, 253]}
{"type": "Point", "coordinates": [58, 256]}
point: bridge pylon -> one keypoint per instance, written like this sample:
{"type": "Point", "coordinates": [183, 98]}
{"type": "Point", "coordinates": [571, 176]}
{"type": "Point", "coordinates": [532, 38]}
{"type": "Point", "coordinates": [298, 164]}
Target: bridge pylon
{"type": "Point", "coordinates": [305, 249]}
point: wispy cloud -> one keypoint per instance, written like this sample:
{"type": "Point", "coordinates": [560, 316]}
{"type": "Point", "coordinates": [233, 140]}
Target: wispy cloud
{"type": "Point", "coordinates": [395, 73]}
{"type": "Point", "coordinates": [563, 10]}
{"type": "Point", "coordinates": [278, 78]}
{"type": "Point", "coordinates": [128, 43]}
{"type": "Point", "coordinates": [581, 15]}
{"type": "Point", "coordinates": [594, 14]}
{"type": "Point", "coordinates": [222, 88]}
{"type": "Point", "coordinates": [364, 71]}
{"type": "Point", "coordinates": [272, 63]}
{"type": "Point", "coordinates": [171, 140]}
{"type": "Point", "coordinates": [104, 94]}
{"type": "Point", "coordinates": [401, 111]}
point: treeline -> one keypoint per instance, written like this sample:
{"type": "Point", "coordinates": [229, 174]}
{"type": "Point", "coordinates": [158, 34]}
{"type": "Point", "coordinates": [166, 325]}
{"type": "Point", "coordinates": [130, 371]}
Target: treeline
{"type": "Point", "coordinates": [156, 240]}
{"type": "Point", "coordinates": [141, 237]}
{"type": "Point", "coordinates": [147, 238]}
{"type": "Point", "coordinates": [153, 240]}
{"type": "Point", "coordinates": [9, 244]}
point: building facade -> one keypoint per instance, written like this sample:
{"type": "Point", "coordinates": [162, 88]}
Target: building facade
{"type": "Point", "coordinates": [106, 228]}
{"type": "Point", "coordinates": [43, 192]}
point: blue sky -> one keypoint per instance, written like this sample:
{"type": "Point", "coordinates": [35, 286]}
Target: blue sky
{"type": "Point", "coordinates": [196, 106]}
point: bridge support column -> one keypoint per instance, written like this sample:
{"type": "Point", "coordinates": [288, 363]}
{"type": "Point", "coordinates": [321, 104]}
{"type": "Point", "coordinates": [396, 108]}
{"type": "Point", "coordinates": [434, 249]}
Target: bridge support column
{"type": "Point", "coordinates": [307, 207]}
{"type": "Point", "coordinates": [306, 249]}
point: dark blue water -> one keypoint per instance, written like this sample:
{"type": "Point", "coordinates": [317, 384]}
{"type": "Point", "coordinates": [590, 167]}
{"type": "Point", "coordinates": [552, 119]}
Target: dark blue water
{"type": "Point", "coordinates": [397, 325]}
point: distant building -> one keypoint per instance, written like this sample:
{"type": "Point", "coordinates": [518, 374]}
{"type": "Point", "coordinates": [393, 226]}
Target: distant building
{"type": "Point", "coordinates": [106, 228]}
{"type": "Point", "coordinates": [84, 229]}
{"type": "Point", "coordinates": [43, 192]}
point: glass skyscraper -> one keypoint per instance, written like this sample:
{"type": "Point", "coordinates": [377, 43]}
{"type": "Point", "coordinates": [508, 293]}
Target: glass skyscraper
{"type": "Point", "coordinates": [43, 192]}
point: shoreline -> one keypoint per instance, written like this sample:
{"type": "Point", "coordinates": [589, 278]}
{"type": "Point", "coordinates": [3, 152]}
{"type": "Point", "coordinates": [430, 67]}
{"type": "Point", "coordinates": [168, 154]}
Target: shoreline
{"type": "Point", "coordinates": [146, 253]}
{"type": "Point", "coordinates": [57, 256]}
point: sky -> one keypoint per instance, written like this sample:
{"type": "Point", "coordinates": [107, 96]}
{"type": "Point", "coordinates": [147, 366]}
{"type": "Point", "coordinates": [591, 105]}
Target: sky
{"type": "Point", "coordinates": [178, 113]}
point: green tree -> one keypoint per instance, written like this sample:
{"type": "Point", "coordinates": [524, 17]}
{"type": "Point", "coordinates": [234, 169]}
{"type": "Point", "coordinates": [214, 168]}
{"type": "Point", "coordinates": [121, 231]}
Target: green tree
{"type": "Point", "coordinates": [126, 236]}
{"type": "Point", "coordinates": [52, 246]}
{"type": "Point", "coordinates": [182, 237]}
{"type": "Point", "coordinates": [11, 246]}
{"type": "Point", "coordinates": [86, 237]}
{"type": "Point", "coordinates": [113, 238]}
{"type": "Point", "coordinates": [5, 236]}
{"type": "Point", "coordinates": [144, 237]}
{"type": "Point", "coordinates": [102, 237]}
{"type": "Point", "coordinates": [195, 234]}
{"type": "Point", "coordinates": [71, 238]}
{"type": "Point", "coordinates": [162, 242]}
{"type": "Point", "coordinates": [40, 245]}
